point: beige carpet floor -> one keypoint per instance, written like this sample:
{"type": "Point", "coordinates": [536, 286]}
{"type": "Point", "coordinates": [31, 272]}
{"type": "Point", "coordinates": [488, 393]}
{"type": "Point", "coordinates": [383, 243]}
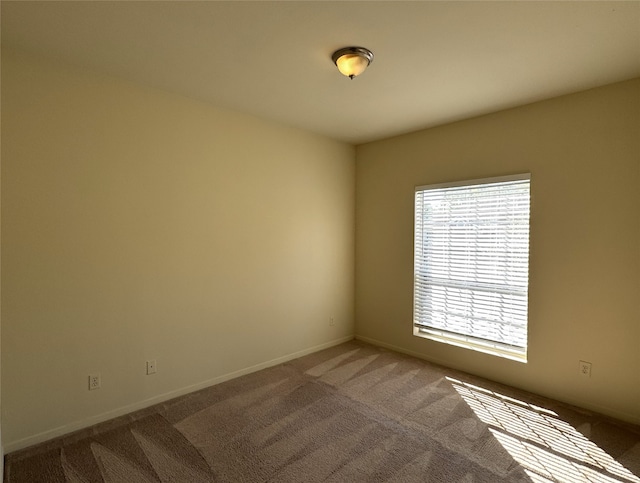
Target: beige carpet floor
{"type": "Point", "coordinates": [351, 413]}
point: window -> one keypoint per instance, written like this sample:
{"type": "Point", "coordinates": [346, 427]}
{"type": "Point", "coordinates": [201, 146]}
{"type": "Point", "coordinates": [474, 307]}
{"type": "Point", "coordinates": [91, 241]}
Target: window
{"type": "Point", "coordinates": [471, 264]}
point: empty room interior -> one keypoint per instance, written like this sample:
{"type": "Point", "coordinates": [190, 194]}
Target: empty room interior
{"type": "Point", "coordinates": [198, 202]}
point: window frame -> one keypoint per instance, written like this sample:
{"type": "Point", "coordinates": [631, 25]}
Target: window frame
{"type": "Point", "coordinates": [420, 327]}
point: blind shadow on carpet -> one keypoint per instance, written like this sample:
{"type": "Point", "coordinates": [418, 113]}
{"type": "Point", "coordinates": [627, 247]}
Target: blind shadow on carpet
{"type": "Point", "coordinates": [351, 413]}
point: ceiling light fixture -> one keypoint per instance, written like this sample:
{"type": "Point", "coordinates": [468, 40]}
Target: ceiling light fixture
{"type": "Point", "coordinates": [352, 61]}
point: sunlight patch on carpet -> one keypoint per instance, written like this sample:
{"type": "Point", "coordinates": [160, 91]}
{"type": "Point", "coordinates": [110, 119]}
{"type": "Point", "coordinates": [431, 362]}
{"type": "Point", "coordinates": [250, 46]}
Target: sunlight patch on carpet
{"type": "Point", "coordinates": [548, 448]}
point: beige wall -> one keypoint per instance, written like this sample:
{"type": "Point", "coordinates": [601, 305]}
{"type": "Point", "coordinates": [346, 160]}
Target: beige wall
{"type": "Point", "coordinates": [140, 225]}
{"type": "Point", "coordinates": [1, 440]}
{"type": "Point", "coordinates": [583, 152]}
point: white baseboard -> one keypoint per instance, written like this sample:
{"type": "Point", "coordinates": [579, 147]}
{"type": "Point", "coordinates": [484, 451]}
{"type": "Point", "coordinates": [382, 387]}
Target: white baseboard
{"type": "Point", "coordinates": [607, 411]}
{"type": "Point", "coordinates": [121, 411]}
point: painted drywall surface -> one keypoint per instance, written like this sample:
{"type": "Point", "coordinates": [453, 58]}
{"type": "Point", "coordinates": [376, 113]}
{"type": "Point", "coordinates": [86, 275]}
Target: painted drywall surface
{"type": "Point", "coordinates": [1, 444]}
{"type": "Point", "coordinates": [139, 225]}
{"type": "Point", "coordinates": [583, 153]}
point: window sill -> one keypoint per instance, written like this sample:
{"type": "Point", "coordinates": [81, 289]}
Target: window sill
{"type": "Point", "coordinates": [461, 342]}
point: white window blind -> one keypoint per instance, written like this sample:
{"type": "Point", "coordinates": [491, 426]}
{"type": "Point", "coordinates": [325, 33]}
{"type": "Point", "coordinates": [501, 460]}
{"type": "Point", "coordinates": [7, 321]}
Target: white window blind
{"type": "Point", "coordinates": [471, 265]}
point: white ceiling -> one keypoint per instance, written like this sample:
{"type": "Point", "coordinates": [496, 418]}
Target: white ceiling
{"type": "Point", "coordinates": [435, 62]}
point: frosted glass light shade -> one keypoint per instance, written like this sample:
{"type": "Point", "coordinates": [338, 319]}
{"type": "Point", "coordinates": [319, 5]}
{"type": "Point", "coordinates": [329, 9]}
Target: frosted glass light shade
{"type": "Point", "coordinates": [352, 61]}
{"type": "Point", "coordinates": [352, 65]}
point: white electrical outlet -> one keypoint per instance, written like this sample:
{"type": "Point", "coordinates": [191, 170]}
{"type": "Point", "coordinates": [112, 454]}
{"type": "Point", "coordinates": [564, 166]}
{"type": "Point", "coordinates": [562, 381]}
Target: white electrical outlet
{"type": "Point", "coordinates": [151, 367]}
{"type": "Point", "coordinates": [94, 381]}
{"type": "Point", "coordinates": [585, 369]}
{"type": "Point", "coordinates": [332, 322]}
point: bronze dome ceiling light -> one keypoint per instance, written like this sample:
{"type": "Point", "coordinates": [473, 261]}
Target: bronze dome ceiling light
{"type": "Point", "coordinates": [352, 61]}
